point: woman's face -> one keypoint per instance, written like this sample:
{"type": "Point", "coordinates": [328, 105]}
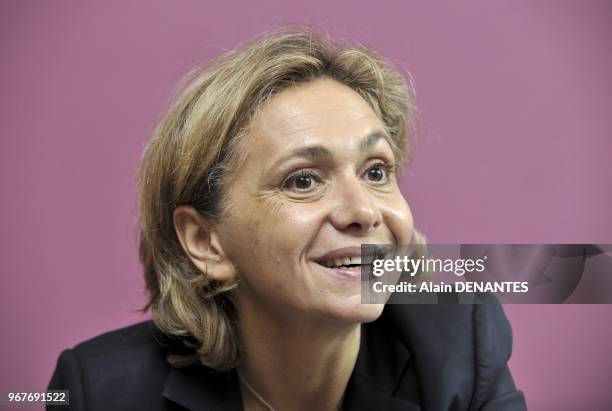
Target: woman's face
{"type": "Point", "coordinates": [317, 181]}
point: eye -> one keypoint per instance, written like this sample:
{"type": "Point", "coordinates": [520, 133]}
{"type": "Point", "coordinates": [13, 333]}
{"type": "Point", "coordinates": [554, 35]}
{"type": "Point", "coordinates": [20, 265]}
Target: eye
{"type": "Point", "coordinates": [379, 172]}
{"type": "Point", "coordinates": [302, 181]}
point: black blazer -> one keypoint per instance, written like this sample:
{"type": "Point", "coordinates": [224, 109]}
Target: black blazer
{"type": "Point", "coordinates": [414, 357]}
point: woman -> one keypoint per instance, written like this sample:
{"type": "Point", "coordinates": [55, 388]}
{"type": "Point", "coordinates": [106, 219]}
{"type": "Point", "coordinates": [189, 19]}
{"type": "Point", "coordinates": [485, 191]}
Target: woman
{"type": "Point", "coordinates": [271, 168]}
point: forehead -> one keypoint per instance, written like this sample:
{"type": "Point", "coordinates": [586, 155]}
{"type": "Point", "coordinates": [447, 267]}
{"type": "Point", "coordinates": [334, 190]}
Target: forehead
{"type": "Point", "coordinates": [323, 112]}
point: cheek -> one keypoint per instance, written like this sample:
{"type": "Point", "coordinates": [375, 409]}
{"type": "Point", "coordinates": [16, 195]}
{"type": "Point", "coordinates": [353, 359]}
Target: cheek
{"type": "Point", "coordinates": [293, 229]}
{"type": "Point", "coordinates": [398, 217]}
{"type": "Point", "coordinates": [273, 237]}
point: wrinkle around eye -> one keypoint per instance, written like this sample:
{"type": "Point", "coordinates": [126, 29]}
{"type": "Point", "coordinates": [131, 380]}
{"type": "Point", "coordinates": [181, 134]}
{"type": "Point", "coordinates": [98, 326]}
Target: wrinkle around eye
{"type": "Point", "coordinates": [279, 194]}
{"type": "Point", "coordinates": [306, 197]}
{"type": "Point", "coordinates": [270, 200]}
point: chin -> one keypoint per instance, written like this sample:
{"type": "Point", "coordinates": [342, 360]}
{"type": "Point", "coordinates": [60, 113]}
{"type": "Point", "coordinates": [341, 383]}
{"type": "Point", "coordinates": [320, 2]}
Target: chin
{"type": "Point", "coordinates": [358, 313]}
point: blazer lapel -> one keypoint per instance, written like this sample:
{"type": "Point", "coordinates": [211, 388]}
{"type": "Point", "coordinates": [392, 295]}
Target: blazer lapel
{"type": "Point", "coordinates": [362, 396]}
{"type": "Point", "coordinates": [383, 378]}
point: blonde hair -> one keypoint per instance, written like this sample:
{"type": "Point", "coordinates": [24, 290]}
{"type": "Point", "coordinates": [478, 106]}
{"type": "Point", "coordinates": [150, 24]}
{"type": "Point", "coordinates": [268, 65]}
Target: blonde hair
{"type": "Point", "coordinates": [196, 145]}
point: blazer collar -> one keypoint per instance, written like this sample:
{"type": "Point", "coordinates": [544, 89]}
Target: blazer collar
{"type": "Point", "coordinates": [381, 366]}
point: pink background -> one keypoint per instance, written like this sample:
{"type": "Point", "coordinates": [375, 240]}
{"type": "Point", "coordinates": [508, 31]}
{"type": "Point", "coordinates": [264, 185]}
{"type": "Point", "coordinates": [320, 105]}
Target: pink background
{"type": "Point", "coordinates": [515, 146]}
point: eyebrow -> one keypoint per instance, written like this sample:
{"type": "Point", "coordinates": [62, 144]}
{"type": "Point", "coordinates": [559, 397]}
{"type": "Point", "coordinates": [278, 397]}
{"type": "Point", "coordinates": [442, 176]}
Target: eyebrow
{"type": "Point", "coordinates": [370, 140]}
{"type": "Point", "coordinates": [319, 152]}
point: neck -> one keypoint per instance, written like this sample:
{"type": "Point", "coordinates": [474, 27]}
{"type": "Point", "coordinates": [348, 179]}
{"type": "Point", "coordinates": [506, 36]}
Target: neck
{"type": "Point", "coordinates": [297, 364]}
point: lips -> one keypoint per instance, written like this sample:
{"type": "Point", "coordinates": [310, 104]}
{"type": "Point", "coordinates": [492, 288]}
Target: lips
{"type": "Point", "coordinates": [340, 256]}
{"type": "Point", "coordinates": [347, 261]}
{"type": "Point", "coordinates": [342, 262]}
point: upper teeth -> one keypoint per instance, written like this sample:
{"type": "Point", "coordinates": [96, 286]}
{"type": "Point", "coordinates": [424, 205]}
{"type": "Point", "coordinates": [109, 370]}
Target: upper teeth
{"type": "Point", "coordinates": [337, 262]}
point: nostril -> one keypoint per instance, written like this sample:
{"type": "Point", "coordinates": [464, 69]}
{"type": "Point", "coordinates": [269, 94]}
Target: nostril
{"type": "Point", "coordinates": [355, 226]}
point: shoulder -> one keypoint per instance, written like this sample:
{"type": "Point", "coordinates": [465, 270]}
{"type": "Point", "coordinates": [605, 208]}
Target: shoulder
{"type": "Point", "coordinates": [460, 352]}
{"type": "Point", "coordinates": [136, 338]}
{"type": "Point", "coordinates": [130, 351]}
{"type": "Point", "coordinates": [117, 368]}
{"type": "Point", "coordinates": [479, 328]}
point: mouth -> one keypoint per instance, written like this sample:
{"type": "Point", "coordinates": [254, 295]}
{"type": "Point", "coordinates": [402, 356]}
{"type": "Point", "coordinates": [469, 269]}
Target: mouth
{"type": "Point", "coordinates": [348, 262]}
{"type": "Point", "coordinates": [348, 271]}
{"type": "Point", "coordinates": [344, 262]}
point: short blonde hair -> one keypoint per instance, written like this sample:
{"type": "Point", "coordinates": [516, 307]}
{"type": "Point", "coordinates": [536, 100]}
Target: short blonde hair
{"type": "Point", "coordinates": [195, 147]}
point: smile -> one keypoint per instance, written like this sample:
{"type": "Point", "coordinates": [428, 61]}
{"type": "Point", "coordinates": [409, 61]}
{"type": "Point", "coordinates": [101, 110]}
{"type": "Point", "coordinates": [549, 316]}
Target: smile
{"type": "Point", "coordinates": [347, 272]}
{"type": "Point", "coordinates": [346, 262]}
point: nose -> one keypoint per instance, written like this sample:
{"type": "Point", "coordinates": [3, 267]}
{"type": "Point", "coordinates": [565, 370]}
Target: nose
{"type": "Point", "coordinates": [354, 209]}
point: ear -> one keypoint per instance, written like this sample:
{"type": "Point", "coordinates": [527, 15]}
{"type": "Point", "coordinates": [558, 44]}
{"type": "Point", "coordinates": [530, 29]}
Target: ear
{"type": "Point", "coordinates": [201, 244]}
